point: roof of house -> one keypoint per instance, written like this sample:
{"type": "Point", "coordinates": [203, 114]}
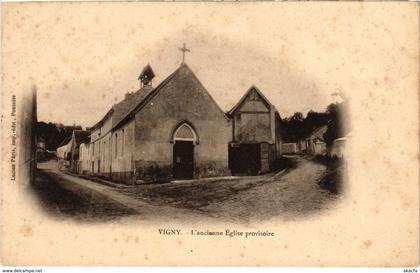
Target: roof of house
{"type": "Point", "coordinates": [243, 98]}
{"type": "Point", "coordinates": [119, 110]}
{"type": "Point", "coordinates": [139, 102]}
{"type": "Point", "coordinates": [122, 109]}
{"type": "Point", "coordinates": [64, 142]}
{"type": "Point", "coordinates": [102, 120]}
{"type": "Point", "coordinates": [81, 136]}
{"type": "Point", "coordinates": [319, 132]}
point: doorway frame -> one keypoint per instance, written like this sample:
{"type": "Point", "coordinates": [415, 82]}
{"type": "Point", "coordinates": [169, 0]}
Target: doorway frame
{"type": "Point", "coordinates": [194, 140]}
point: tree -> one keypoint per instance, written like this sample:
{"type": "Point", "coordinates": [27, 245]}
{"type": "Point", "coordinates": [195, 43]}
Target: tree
{"type": "Point", "coordinates": [339, 126]}
{"type": "Point", "coordinates": [297, 127]}
{"type": "Point", "coordinates": [292, 127]}
{"type": "Point", "coordinates": [53, 135]}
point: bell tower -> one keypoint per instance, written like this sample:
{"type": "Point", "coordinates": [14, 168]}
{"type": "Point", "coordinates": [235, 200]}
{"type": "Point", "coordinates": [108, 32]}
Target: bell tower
{"type": "Point", "coordinates": [146, 76]}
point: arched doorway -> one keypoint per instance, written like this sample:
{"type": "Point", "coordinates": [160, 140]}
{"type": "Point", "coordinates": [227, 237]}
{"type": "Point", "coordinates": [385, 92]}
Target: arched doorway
{"type": "Point", "coordinates": [184, 139]}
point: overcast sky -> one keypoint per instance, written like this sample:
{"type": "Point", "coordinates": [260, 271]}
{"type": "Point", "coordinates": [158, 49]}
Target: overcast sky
{"type": "Point", "coordinates": [83, 58]}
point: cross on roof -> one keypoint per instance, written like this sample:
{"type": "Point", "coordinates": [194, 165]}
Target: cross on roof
{"type": "Point", "coordinates": [184, 49]}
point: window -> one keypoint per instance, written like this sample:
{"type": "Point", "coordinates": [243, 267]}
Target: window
{"type": "Point", "coordinates": [123, 143]}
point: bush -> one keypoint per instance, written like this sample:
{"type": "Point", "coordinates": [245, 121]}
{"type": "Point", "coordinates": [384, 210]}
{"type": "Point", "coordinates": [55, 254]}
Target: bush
{"type": "Point", "coordinates": [334, 176]}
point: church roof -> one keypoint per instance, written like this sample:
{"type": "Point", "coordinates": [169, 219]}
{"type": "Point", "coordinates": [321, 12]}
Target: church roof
{"type": "Point", "coordinates": [124, 107]}
{"type": "Point", "coordinates": [146, 97]}
{"type": "Point", "coordinates": [134, 102]}
{"type": "Point", "coordinates": [119, 110]}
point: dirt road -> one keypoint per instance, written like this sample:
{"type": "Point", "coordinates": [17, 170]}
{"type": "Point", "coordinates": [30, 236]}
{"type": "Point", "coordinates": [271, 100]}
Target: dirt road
{"type": "Point", "coordinates": [291, 195]}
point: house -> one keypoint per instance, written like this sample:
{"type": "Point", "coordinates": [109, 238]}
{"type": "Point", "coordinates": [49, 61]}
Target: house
{"type": "Point", "coordinates": [289, 148]}
{"type": "Point", "coordinates": [256, 143]}
{"type": "Point", "coordinates": [84, 158]}
{"type": "Point", "coordinates": [63, 153]}
{"type": "Point", "coordinates": [338, 147]}
{"type": "Point", "coordinates": [78, 137]}
{"type": "Point", "coordinates": [315, 144]}
{"type": "Point", "coordinates": [172, 131]}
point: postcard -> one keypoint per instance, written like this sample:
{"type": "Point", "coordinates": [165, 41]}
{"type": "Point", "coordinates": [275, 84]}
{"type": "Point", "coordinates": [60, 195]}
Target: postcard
{"type": "Point", "coordinates": [210, 133]}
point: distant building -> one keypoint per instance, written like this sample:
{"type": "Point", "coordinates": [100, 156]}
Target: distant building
{"type": "Point", "coordinates": [84, 158]}
{"type": "Point", "coordinates": [256, 143]}
{"type": "Point", "coordinates": [315, 144]}
{"type": "Point", "coordinates": [289, 148]}
{"type": "Point", "coordinates": [338, 147]}
{"type": "Point", "coordinates": [64, 153]}
{"type": "Point", "coordinates": [78, 137]}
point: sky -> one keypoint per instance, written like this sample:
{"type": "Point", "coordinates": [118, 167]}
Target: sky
{"type": "Point", "coordinates": [84, 57]}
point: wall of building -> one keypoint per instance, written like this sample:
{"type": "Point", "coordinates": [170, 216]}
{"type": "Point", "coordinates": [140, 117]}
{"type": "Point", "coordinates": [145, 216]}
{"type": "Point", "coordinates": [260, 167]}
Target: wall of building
{"type": "Point", "coordinates": [100, 154]}
{"type": "Point", "coordinates": [338, 148]}
{"type": "Point", "coordinates": [252, 127]}
{"type": "Point", "coordinates": [277, 137]}
{"type": "Point", "coordinates": [289, 148]}
{"type": "Point", "coordinates": [110, 153]}
{"type": "Point", "coordinates": [102, 130]}
{"type": "Point", "coordinates": [265, 157]}
{"type": "Point", "coordinates": [254, 120]}
{"type": "Point", "coordinates": [84, 158]}
{"type": "Point", "coordinates": [121, 154]}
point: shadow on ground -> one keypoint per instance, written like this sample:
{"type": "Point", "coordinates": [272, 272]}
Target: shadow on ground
{"type": "Point", "coordinates": [69, 201]}
{"type": "Point", "coordinates": [296, 192]}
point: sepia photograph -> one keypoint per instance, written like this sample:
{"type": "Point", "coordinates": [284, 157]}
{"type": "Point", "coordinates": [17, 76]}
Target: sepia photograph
{"type": "Point", "coordinates": [169, 150]}
{"type": "Point", "coordinates": [222, 129]}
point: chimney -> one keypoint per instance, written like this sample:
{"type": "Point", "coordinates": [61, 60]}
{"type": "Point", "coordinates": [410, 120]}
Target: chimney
{"type": "Point", "coordinates": [128, 94]}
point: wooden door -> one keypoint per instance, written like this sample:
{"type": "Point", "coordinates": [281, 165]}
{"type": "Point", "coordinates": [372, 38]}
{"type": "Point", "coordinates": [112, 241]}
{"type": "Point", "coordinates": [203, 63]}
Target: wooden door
{"type": "Point", "coordinates": [183, 160]}
{"type": "Point", "coordinates": [245, 159]}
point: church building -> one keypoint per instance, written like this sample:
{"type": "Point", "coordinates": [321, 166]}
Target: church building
{"type": "Point", "coordinates": [172, 131]}
{"type": "Point", "coordinates": [177, 131]}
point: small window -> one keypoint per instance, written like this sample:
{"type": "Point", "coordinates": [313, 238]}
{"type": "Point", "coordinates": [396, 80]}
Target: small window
{"type": "Point", "coordinates": [123, 143]}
